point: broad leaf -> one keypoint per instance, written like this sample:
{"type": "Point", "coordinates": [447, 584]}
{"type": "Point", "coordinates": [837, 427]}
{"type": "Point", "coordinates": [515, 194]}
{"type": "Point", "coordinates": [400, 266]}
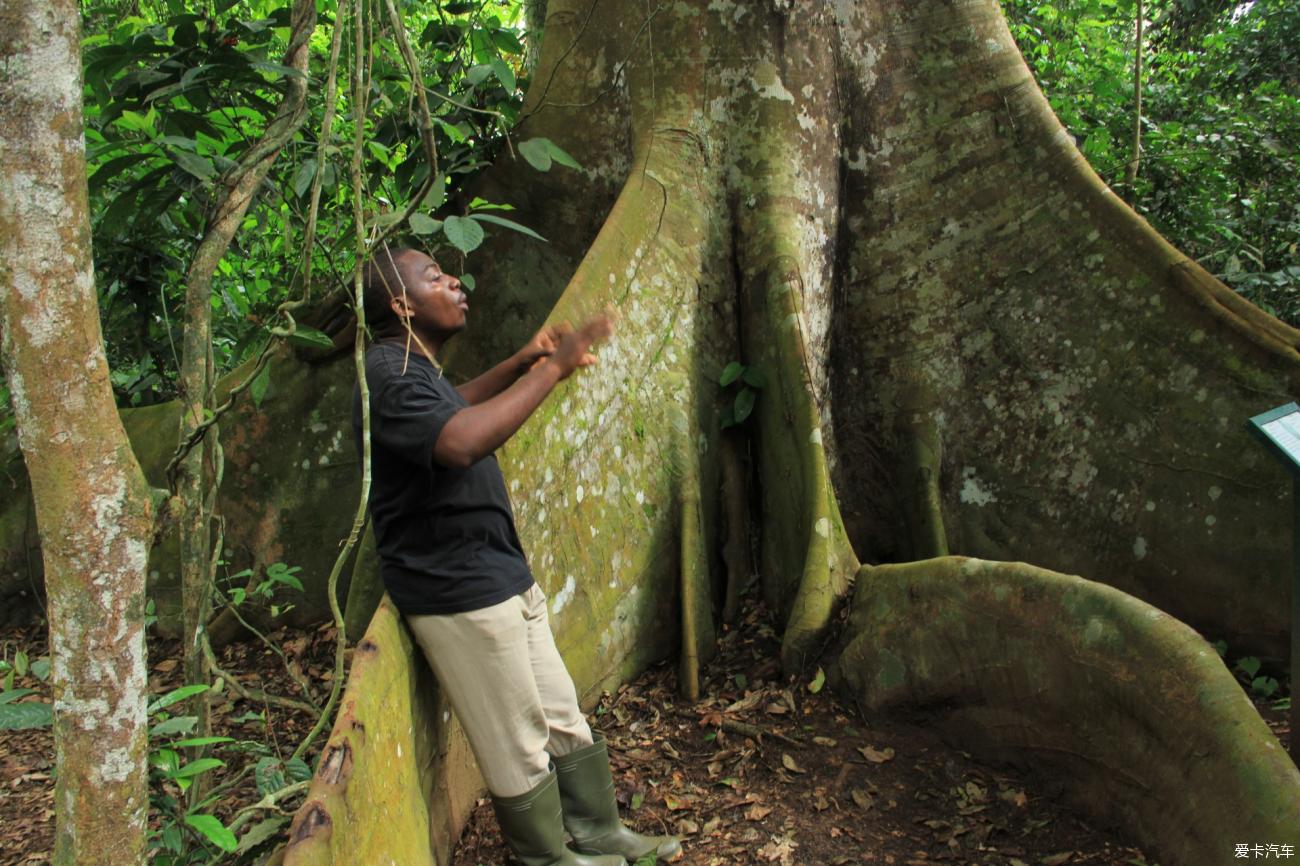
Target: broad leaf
{"type": "Point", "coordinates": [176, 695]}
{"type": "Point", "coordinates": [423, 224]}
{"type": "Point", "coordinates": [744, 404]}
{"type": "Point", "coordinates": [537, 153]}
{"type": "Point", "coordinates": [731, 373]}
{"type": "Point", "coordinates": [504, 73]}
{"type": "Point", "coordinates": [464, 233]}
{"type": "Point", "coordinates": [261, 832]}
{"type": "Point", "coordinates": [17, 717]}
{"type": "Point", "coordinates": [510, 224]}
{"type": "Point", "coordinates": [310, 337]}
{"type": "Point", "coordinates": [213, 830]}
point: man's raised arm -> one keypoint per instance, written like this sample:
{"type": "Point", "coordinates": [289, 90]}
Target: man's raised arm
{"type": "Point", "coordinates": [477, 431]}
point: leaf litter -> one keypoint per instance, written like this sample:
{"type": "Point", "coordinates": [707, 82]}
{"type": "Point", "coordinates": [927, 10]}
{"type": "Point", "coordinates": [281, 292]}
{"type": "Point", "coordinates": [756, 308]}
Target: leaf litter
{"type": "Point", "coordinates": [765, 770]}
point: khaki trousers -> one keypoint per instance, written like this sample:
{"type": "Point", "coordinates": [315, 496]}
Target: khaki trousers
{"type": "Point", "coordinates": [507, 684]}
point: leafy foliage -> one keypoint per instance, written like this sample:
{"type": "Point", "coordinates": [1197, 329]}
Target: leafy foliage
{"type": "Point", "coordinates": [1220, 162]}
{"type": "Point", "coordinates": [175, 96]}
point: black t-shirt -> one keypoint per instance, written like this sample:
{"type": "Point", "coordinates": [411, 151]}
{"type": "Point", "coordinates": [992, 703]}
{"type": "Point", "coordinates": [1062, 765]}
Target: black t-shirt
{"type": "Point", "coordinates": [446, 537]}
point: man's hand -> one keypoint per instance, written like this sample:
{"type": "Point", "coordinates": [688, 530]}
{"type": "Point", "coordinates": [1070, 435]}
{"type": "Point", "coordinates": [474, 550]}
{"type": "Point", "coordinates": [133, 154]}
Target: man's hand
{"type": "Point", "coordinates": [539, 348]}
{"type": "Point", "coordinates": [574, 346]}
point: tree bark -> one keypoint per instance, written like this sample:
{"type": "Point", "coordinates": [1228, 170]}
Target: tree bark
{"type": "Point", "coordinates": [93, 507]}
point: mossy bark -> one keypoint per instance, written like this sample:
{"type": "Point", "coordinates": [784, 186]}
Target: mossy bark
{"type": "Point", "coordinates": [92, 505]}
{"type": "Point", "coordinates": [1085, 682]}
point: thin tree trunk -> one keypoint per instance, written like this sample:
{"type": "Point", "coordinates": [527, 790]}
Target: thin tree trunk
{"type": "Point", "coordinates": [196, 375]}
{"type": "Point", "coordinates": [92, 504]}
{"type": "Point", "coordinates": [1131, 176]}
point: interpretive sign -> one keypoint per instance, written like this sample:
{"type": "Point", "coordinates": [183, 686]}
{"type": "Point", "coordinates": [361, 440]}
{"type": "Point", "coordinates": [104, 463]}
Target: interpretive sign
{"type": "Point", "coordinates": [1280, 430]}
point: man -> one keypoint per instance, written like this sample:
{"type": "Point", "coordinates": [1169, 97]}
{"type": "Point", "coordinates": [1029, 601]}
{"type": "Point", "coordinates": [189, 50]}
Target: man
{"type": "Point", "coordinates": [452, 562]}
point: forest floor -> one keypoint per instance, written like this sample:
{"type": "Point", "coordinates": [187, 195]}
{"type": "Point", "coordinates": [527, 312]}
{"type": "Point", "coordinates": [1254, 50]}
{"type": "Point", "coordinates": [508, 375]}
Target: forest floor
{"type": "Point", "coordinates": [761, 770]}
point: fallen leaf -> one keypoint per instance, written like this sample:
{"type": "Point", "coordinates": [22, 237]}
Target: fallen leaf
{"type": "Point", "coordinates": [790, 764]}
{"type": "Point", "coordinates": [876, 756]}
{"type": "Point", "coordinates": [1014, 797]}
{"type": "Point", "coordinates": [757, 812]}
{"type": "Point", "coordinates": [776, 709]}
{"type": "Point", "coordinates": [687, 827]}
{"type": "Point", "coordinates": [862, 798]}
{"type": "Point", "coordinates": [825, 741]}
{"type": "Point", "coordinates": [675, 804]}
{"type": "Point", "coordinates": [817, 681]}
{"type": "Point", "coordinates": [779, 849]}
{"type": "Point", "coordinates": [1057, 859]}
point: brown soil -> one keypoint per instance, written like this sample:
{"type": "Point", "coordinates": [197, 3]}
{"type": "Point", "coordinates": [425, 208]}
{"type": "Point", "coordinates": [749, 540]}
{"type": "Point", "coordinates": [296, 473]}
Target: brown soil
{"type": "Point", "coordinates": [760, 771]}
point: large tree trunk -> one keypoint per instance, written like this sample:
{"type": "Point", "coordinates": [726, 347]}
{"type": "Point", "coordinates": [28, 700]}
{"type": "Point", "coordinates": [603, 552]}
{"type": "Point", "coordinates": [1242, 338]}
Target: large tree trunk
{"type": "Point", "coordinates": [970, 346]}
{"type": "Point", "coordinates": [92, 504]}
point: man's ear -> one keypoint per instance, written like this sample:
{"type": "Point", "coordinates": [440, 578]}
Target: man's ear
{"type": "Point", "coordinates": [400, 306]}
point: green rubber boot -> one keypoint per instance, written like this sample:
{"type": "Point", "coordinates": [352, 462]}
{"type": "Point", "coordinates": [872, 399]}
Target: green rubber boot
{"type": "Point", "coordinates": [591, 812]}
{"type": "Point", "coordinates": [532, 827]}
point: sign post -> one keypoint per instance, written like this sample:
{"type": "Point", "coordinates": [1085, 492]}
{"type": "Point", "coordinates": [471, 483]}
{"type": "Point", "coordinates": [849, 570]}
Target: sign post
{"type": "Point", "coordinates": [1280, 430]}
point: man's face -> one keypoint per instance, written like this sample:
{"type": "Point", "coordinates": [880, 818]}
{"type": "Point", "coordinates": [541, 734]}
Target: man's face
{"type": "Point", "coordinates": [434, 300]}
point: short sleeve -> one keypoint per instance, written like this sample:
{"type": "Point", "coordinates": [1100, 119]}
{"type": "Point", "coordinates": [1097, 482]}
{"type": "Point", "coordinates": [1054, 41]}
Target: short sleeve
{"type": "Point", "coordinates": [409, 415]}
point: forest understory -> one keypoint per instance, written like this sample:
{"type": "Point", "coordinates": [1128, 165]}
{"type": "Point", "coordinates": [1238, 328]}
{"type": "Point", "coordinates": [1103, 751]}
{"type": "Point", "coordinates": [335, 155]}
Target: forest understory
{"type": "Point", "coordinates": [761, 770]}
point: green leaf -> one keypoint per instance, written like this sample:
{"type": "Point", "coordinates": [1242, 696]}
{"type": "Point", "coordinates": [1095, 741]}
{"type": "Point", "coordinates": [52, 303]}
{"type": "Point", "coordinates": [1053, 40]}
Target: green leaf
{"type": "Point", "coordinates": [201, 168]}
{"type": "Point", "coordinates": [195, 742]}
{"type": "Point", "coordinates": [298, 770]}
{"type": "Point", "coordinates": [754, 377]}
{"type": "Point", "coordinates": [312, 338]}
{"type": "Point", "coordinates": [537, 153]}
{"type": "Point", "coordinates": [423, 224]}
{"type": "Point", "coordinates": [467, 280]}
{"type": "Point", "coordinates": [269, 775]}
{"type": "Point", "coordinates": [1248, 665]}
{"type": "Point", "coordinates": [10, 695]}
{"type": "Point", "coordinates": [33, 714]}
{"type": "Point", "coordinates": [174, 725]}
{"type": "Point", "coordinates": [195, 768]}
{"type": "Point", "coordinates": [1265, 686]}
{"type": "Point", "coordinates": [510, 224]}
{"type": "Point", "coordinates": [731, 373]}
{"type": "Point", "coordinates": [476, 75]}
{"type": "Point", "coordinates": [464, 233]}
{"type": "Point", "coordinates": [303, 177]}
{"type": "Point", "coordinates": [20, 663]}
{"type": "Point", "coordinates": [175, 696]}
{"type": "Point", "coordinates": [744, 404]}
{"type": "Point", "coordinates": [504, 73]}
{"type": "Point", "coordinates": [817, 682]}
{"type": "Point", "coordinates": [261, 832]}
{"type": "Point", "coordinates": [259, 385]}
{"type": "Point", "coordinates": [560, 155]}
{"type": "Point", "coordinates": [41, 668]}
{"type": "Point", "coordinates": [277, 69]}
{"type": "Point", "coordinates": [213, 830]}
{"type": "Point", "coordinates": [507, 42]}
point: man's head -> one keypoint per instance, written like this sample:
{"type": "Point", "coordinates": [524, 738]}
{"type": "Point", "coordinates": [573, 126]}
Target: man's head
{"type": "Point", "coordinates": [405, 285]}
